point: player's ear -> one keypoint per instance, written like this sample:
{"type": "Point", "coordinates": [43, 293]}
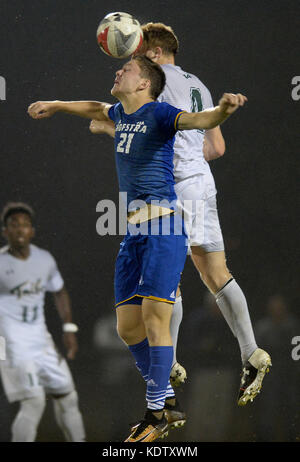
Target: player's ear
{"type": "Point", "coordinates": [4, 232]}
{"type": "Point", "coordinates": [145, 83]}
{"type": "Point", "coordinates": [32, 232]}
{"type": "Point", "coordinates": [158, 52]}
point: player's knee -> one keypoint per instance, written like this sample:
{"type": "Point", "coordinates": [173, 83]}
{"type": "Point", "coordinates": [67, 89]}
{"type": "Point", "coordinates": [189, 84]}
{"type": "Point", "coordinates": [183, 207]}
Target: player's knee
{"type": "Point", "coordinates": [207, 278]}
{"type": "Point", "coordinates": [33, 408]}
{"type": "Point", "coordinates": [26, 422]}
{"type": "Point", "coordinates": [153, 335]}
{"type": "Point", "coordinates": [67, 402]}
{"type": "Point", "coordinates": [126, 334]}
{"type": "Point", "coordinates": [155, 328]}
{"type": "Point", "coordinates": [122, 333]}
{"type": "Point", "coordinates": [215, 278]}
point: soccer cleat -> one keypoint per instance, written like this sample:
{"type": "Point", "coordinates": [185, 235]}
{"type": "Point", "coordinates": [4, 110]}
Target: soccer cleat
{"type": "Point", "coordinates": [178, 375]}
{"type": "Point", "coordinates": [149, 429]}
{"type": "Point", "coordinates": [175, 416]}
{"type": "Point", "coordinates": [253, 374]}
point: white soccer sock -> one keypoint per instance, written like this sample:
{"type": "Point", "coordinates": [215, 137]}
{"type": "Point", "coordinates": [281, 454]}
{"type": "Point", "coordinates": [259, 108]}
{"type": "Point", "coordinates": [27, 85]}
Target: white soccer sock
{"type": "Point", "coordinates": [69, 417]}
{"type": "Point", "coordinates": [233, 305]}
{"type": "Point", "coordinates": [170, 392]}
{"type": "Point", "coordinates": [175, 323]}
{"type": "Point", "coordinates": [24, 427]}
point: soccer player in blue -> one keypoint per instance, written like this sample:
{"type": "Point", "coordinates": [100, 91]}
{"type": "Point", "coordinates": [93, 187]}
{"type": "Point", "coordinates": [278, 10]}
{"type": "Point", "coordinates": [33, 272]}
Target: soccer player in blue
{"type": "Point", "coordinates": [150, 260]}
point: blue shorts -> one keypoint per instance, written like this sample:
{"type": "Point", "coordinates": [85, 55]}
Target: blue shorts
{"type": "Point", "coordinates": [150, 266]}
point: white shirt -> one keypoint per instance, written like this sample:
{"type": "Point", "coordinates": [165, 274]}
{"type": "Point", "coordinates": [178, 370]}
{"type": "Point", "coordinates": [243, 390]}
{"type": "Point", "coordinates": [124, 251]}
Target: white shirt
{"type": "Point", "coordinates": [185, 91]}
{"type": "Point", "coordinates": [23, 284]}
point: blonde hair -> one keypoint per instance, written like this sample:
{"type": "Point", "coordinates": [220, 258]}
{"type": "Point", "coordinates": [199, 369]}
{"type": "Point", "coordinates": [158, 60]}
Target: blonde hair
{"type": "Point", "coordinates": [159, 35]}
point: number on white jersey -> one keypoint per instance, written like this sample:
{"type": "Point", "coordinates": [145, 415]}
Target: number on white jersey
{"type": "Point", "coordinates": [26, 317]}
{"type": "Point", "coordinates": [196, 101]}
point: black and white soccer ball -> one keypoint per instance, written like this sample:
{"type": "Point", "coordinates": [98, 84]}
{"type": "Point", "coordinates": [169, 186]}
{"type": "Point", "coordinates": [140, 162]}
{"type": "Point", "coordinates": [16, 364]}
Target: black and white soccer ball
{"type": "Point", "coordinates": [119, 35]}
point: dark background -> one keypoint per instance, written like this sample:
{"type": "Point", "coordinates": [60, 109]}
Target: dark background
{"type": "Point", "coordinates": [49, 51]}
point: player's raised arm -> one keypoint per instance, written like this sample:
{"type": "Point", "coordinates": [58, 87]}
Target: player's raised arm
{"type": "Point", "coordinates": [88, 109]}
{"type": "Point", "coordinates": [210, 118]}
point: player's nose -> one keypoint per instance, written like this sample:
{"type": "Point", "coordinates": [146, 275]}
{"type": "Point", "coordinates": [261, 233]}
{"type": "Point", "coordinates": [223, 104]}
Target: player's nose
{"type": "Point", "coordinates": [20, 232]}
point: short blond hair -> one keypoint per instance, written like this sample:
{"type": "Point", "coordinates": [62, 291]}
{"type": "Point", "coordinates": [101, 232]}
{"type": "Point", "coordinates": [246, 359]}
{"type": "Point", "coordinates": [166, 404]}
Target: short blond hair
{"type": "Point", "coordinates": [159, 35]}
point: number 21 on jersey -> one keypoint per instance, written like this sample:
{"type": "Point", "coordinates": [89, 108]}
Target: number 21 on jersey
{"type": "Point", "coordinates": [125, 142]}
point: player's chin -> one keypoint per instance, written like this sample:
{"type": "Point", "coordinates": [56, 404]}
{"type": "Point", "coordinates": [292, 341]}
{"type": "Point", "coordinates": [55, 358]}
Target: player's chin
{"type": "Point", "coordinates": [20, 244]}
{"type": "Point", "coordinates": [113, 91]}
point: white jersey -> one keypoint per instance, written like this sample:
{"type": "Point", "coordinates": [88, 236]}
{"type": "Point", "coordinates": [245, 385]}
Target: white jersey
{"type": "Point", "coordinates": [23, 284]}
{"type": "Point", "coordinates": [32, 361]}
{"type": "Point", "coordinates": [185, 91]}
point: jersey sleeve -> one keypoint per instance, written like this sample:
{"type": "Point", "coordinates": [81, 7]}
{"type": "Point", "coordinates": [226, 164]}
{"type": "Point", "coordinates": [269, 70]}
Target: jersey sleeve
{"type": "Point", "coordinates": [114, 111]}
{"type": "Point", "coordinates": [167, 117]}
{"type": "Point", "coordinates": [55, 281]}
{"type": "Point", "coordinates": [111, 112]}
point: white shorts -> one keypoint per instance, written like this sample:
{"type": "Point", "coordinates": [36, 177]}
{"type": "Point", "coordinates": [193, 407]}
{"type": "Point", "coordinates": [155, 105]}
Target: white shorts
{"type": "Point", "coordinates": [197, 201]}
{"type": "Point", "coordinates": [29, 372]}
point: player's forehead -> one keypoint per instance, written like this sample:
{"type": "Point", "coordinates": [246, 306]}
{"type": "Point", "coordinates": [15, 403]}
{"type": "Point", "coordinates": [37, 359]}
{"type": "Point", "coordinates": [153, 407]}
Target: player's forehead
{"type": "Point", "coordinates": [19, 217]}
{"type": "Point", "coordinates": [131, 65]}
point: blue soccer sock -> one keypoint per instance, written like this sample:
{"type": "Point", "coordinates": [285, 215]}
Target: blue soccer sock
{"type": "Point", "coordinates": [161, 358]}
{"type": "Point", "coordinates": [141, 355]}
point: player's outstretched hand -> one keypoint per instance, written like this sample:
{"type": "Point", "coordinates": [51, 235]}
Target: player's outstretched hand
{"type": "Point", "coordinates": [71, 345]}
{"type": "Point", "coordinates": [230, 102]}
{"type": "Point", "coordinates": [42, 109]}
{"type": "Point", "coordinates": [102, 126]}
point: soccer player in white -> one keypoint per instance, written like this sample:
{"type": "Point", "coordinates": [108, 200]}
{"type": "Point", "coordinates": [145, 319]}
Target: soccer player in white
{"type": "Point", "coordinates": [33, 367]}
{"type": "Point", "coordinates": [196, 192]}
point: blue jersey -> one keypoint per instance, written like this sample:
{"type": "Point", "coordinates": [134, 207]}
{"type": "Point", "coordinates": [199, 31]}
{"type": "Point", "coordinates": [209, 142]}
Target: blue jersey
{"type": "Point", "coordinates": [144, 151]}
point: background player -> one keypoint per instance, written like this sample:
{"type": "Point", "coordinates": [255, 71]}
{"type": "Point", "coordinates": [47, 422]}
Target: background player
{"type": "Point", "coordinates": [194, 182]}
{"type": "Point", "coordinates": [33, 367]}
{"type": "Point", "coordinates": [148, 266]}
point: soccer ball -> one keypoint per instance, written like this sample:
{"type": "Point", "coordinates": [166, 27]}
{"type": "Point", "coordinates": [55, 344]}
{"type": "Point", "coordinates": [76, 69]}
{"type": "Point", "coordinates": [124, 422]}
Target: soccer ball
{"type": "Point", "coordinates": [119, 35]}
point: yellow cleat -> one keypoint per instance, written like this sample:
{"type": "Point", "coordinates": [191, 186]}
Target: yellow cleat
{"type": "Point", "coordinates": [149, 429]}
